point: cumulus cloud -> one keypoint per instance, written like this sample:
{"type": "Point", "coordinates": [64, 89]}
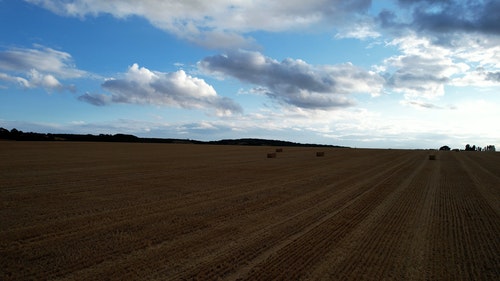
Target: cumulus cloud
{"type": "Point", "coordinates": [478, 77]}
{"type": "Point", "coordinates": [13, 79]}
{"type": "Point", "coordinates": [47, 81]}
{"type": "Point", "coordinates": [424, 105]}
{"type": "Point", "coordinates": [95, 99]}
{"type": "Point", "coordinates": [218, 23]}
{"type": "Point", "coordinates": [422, 69]}
{"type": "Point", "coordinates": [41, 58]}
{"type": "Point", "coordinates": [418, 76]}
{"type": "Point", "coordinates": [38, 67]}
{"type": "Point", "coordinates": [479, 50]}
{"type": "Point", "coordinates": [450, 16]}
{"type": "Point", "coordinates": [444, 19]}
{"type": "Point", "coordinates": [228, 24]}
{"type": "Point", "coordinates": [294, 81]}
{"type": "Point", "coordinates": [442, 43]}
{"type": "Point", "coordinates": [140, 85]}
{"type": "Point", "coordinates": [493, 76]}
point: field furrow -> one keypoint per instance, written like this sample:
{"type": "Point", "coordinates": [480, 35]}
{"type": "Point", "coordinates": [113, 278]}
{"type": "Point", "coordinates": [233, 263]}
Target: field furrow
{"type": "Point", "coordinates": [366, 252]}
{"type": "Point", "coordinates": [308, 246]}
{"type": "Point", "coordinates": [117, 211]}
{"type": "Point", "coordinates": [463, 240]}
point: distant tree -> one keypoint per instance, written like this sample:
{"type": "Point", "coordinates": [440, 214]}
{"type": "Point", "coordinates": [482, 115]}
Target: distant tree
{"type": "Point", "coordinates": [445, 148]}
{"type": "Point", "coordinates": [468, 147]}
{"type": "Point", "coordinates": [4, 133]}
{"type": "Point", "coordinates": [15, 134]}
{"type": "Point", "coordinates": [490, 148]}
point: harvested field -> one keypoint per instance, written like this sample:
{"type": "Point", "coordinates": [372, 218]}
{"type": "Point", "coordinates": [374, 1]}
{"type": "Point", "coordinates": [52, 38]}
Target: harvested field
{"type": "Point", "coordinates": [94, 211]}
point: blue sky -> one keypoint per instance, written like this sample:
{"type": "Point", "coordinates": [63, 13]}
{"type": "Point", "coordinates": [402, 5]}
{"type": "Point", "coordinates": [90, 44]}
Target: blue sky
{"type": "Point", "coordinates": [383, 74]}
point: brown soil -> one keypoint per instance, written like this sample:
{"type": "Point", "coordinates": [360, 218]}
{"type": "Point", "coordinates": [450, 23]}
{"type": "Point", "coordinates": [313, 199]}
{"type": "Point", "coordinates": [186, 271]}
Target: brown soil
{"type": "Point", "coordinates": [117, 211]}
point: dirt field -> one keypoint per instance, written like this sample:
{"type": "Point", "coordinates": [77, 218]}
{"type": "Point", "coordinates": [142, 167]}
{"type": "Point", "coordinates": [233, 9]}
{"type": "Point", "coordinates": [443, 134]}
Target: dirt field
{"type": "Point", "coordinates": [117, 211]}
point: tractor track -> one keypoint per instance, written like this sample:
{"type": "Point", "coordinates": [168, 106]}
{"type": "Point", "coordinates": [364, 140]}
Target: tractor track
{"type": "Point", "coordinates": [187, 212]}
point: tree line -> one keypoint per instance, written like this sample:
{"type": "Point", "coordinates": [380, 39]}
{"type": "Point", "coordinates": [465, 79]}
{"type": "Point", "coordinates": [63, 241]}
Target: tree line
{"type": "Point", "coordinates": [469, 147]}
{"type": "Point", "coordinates": [19, 135]}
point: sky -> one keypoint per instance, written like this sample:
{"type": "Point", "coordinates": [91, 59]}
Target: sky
{"type": "Point", "coordinates": [360, 73]}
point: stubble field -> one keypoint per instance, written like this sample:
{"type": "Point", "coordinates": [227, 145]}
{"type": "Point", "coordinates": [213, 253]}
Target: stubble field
{"type": "Point", "coordinates": [118, 211]}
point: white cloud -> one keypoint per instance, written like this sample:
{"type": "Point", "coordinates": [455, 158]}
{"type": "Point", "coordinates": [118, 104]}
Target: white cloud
{"type": "Point", "coordinates": [442, 43]}
{"type": "Point", "coordinates": [418, 76]}
{"type": "Point", "coordinates": [362, 29]}
{"type": "Point", "coordinates": [353, 126]}
{"type": "Point", "coordinates": [478, 77]}
{"type": "Point", "coordinates": [14, 79]}
{"type": "Point", "coordinates": [218, 23]}
{"type": "Point", "coordinates": [438, 47]}
{"type": "Point", "coordinates": [454, 16]}
{"type": "Point", "coordinates": [293, 81]}
{"type": "Point", "coordinates": [480, 50]}
{"type": "Point", "coordinates": [423, 69]}
{"type": "Point", "coordinates": [40, 58]}
{"type": "Point", "coordinates": [226, 23]}
{"type": "Point", "coordinates": [140, 85]}
{"type": "Point", "coordinates": [38, 67]}
{"type": "Point", "coordinates": [443, 21]}
{"type": "Point", "coordinates": [96, 99]}
{"type": "Point", "coordinates": [47, 81]}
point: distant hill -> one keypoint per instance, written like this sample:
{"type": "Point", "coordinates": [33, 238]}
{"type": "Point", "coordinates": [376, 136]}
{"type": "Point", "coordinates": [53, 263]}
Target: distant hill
{"type": "Point", "coordinates": [18, 135]}
{"type": "Point", "coordinates": [257, 142]}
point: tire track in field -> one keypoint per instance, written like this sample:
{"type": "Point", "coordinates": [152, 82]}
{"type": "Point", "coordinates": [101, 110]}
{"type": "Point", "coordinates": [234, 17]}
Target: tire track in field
{"type": "Point", "coordinates": [464, 232]}
{"type": "Point", "coordinates": [262, 234]}
{"type": "Point", "coordinates": [89, 236]}
{"type": "Point", "coordinates": [417, 243]}
{"type": "Point", "coordinates": [128, 213]}
{"type": "Point", "coordinates": [487, 160]}
{"type": "Point", "coordinates": [198, 197]}
{"type": "Point", "coordinates": [390, 192]}
{"type": "Point", "coordinates": [312, 245]}
{"type": "Point", "coordinates": [140, 246]}
{"type": "Point", "coordinates": [106, 186]}
{"type": "Point", "coordinates": [82, 239]}
{"type": "Point", "coordinates": [63, 181]}
{"type": "Point", "coordinates": [242, 256]}
{"type": "Point", "coordinates": [485, 180]}
{"type": "Point", "coordinates": [386, 245]}
{"type": "Point", "coordinates": [278, 238]}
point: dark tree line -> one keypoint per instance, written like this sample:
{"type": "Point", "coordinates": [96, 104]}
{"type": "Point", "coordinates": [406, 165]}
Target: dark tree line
{"type": "Point", "coordinates": [15, 134]}
{"type": "Point", "coordinates": [259, 142]}
{"type": "Point", "coordinates": [478, 148]}
{"type": "Point", "coordinates": [469, 147]}
{"type": "Point", "coordinates": [18, 135]}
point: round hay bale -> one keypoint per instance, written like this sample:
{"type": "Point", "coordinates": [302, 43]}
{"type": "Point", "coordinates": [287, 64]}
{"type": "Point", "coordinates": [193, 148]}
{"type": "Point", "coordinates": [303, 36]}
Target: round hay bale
{"type": "Point", "coordinates": [320, 154]}
{"type": "Point", "coordinates": [271, 155]}
{"type": "Point", "coordinates": [432, 157]}
{"type": "Point", "coordinates": [279, 149]}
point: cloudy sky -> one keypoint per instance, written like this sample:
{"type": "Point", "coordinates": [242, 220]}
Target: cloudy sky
{"type": "Point", "coordinates": [360, 73]}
